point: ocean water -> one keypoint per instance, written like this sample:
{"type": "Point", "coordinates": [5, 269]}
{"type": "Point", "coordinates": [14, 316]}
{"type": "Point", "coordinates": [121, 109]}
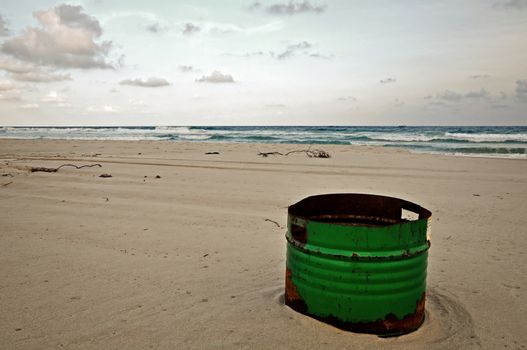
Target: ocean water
{"type": "Point", "coordinates": [483, 141]}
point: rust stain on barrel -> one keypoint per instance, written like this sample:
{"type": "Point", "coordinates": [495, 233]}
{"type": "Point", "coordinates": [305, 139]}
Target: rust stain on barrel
{"type": "Point", "coordinates": [409, 323]}
{"type": "Point", "coordinates": [292, 298]}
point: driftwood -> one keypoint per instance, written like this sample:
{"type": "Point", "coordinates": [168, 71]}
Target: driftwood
{"type": "Point", "coordinates": [91, 155]}
{"type": "Point", "coordinates": [311, 153]}
{"type": "Point", "coordinates": [266, 154]}
{"type": "Point", "coordinates": [212, 152]}
{"type": "Point", "coordinates": [274, 222]}
{"type": "Point", "coordinates": [54, 170]}
{"type": "Point", "coordinates": [7, 184]}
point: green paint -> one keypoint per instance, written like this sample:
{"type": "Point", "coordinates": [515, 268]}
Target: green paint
{"type": "Point", "coordinates": [359, 273]}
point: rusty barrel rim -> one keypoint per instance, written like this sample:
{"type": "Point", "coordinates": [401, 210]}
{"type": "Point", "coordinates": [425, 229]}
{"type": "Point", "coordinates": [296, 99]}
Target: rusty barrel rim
{"type": "Point", "coordinates": [353, 262]}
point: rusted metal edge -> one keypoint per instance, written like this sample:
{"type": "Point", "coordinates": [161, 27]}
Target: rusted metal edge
{"type": "Point", "coordinates": [390, 326]}
{"type": "Point", "coordinates": [301, 210]}
{"type": "Point", "coordinates": [355, 256]}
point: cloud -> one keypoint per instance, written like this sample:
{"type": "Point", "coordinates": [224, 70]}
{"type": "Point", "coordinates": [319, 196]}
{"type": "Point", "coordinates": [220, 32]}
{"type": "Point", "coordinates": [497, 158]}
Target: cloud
{"type": "Point", "coordinates": [347, 99]}
{"type": "Point", "coordinates": [440, 104]}
{"type": "Point", "coordinates": [158, 27]}
{"type": "Point", "coordinates": [151, 82]}
{"type": "Point", "coordinates": [155, 28]}
{"type": "Point", "coordinates": [254, 53]}
{"type": "Point", "coordinates": [479, 76]}
{"type": "Point", "coordinates": [265, 28]}
{"type": "Point", "coordinates": [499, 106]}
{"type": "Point", "coordinates": [6, 86]}
{"type": "Point", "coordinates": [14, 66]}
{"type": "Point", "coordinates": [10, 96]}
{"type": "Point", "coordinates": [388, 81]}
{"type": "Point", "coordinates": [222, 28]}
{"type": "Point", "coordinates": [38, 76]}
{"type": "Point", "coordinates": [521, 86]}
{"type": "Point", "coordinates": [521, 90]}
{"type": "Point", "coordinates": [479, 95]}
{"type": "Point", "coordinates": [292, 49]}
{"type": "Point", "coordinates": [212, 28]}
{"type": "Point", "coordinates": [66, 38]}
{"type": "Point", "coordinates": [321, 56]}
{"type": "Point", "coordinates": [9, 92]}
{"type": "Point", "coordinates": [512, 5]}
{"type": "Point", "coordinates": [27, 72]}
{"type": "Point", "coordinates": [449, 98]}
{"type": "Point", "coordinates": [300, 46]}
{"type": "Point", "coordinates": [254, 6]}
{"type": "Point", "coordinates": [4, 30]}
{"type": "Point", "coordinates": [103, 109]}
{"type": "Point", "coordinates": [398, 103]}
{"type": "Point", "coordinates": [290, 8]}
{"type": "Point", "coordinates": [187, 68]}
{"type": "Point", "coordinates": [190, 29]}
{"type": "Point", "coordinates": [137, 105]}
{"type": "Point", "coordinates": [216, 77]}
{"type": "Point", "coordinates": [275, 106]}
{"type": "Point", "coordinates": [247, 54]}
{"type": "Point", "coordinates": [448, 95]}
{"type": "Point", "coordinates": [227, 28]}
{"type": "Point", "coordinates": [30, 106]}
{"type": "Point", "coordinates": [452, 96]}
{"type": "Point", "coordinates": [55, 97]}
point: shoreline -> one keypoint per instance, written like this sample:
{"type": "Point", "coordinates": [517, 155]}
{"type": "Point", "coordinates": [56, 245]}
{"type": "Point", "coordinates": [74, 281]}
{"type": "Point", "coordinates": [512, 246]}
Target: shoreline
{"type": "Point", "coordinates": [482, 141]}
{"type": "Point", "coordinates": [189, 259]}
{"type": "Point", "coordinates": [380, 148]}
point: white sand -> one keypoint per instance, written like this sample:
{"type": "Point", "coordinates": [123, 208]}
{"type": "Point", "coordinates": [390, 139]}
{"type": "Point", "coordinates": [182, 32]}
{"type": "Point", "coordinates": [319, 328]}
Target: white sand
{"type": "Point", "coordinates": [188, 261]}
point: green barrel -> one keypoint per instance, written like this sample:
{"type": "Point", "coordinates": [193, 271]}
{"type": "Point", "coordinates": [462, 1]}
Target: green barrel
{"type": "Point", "coordinates": [356, 261]}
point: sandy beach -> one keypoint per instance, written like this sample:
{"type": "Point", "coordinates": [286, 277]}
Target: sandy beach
{"type": "Point", "coordinates": [191, 259]}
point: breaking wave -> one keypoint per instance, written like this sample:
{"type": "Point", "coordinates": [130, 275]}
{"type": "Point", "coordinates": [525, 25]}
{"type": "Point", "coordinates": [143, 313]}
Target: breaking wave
{"type": "Point", "coordinates": [472, 141]}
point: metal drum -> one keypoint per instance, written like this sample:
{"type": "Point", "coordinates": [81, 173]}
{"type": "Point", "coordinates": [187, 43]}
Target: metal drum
{"type": "Point", "coordinates": [358, 261]}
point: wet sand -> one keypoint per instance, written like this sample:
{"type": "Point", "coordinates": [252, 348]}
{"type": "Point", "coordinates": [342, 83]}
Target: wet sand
{"type": "Point", "coordinates": [189, 261]}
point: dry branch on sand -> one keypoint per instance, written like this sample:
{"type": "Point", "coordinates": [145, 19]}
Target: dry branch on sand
{"type": "Point", "coordinates": [274, 222]}
{"type": "Point", "coordinates": [311, 153]}
{"type": "Point", "coordinates": [266, 154]}
{"type": "Point", "coordinates": [54, 170]}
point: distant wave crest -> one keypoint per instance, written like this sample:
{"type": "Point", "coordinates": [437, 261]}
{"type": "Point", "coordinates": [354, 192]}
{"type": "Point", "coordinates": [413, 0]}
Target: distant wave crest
{"type": "Point", "coordinates": [473, 141]}
{"type": "Point", "coordinates": [487, 137]}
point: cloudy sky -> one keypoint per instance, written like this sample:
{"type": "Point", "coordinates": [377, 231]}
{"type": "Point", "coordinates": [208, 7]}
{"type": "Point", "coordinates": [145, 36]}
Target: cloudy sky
{"type": "Point", "coordinates": [230, 62]}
